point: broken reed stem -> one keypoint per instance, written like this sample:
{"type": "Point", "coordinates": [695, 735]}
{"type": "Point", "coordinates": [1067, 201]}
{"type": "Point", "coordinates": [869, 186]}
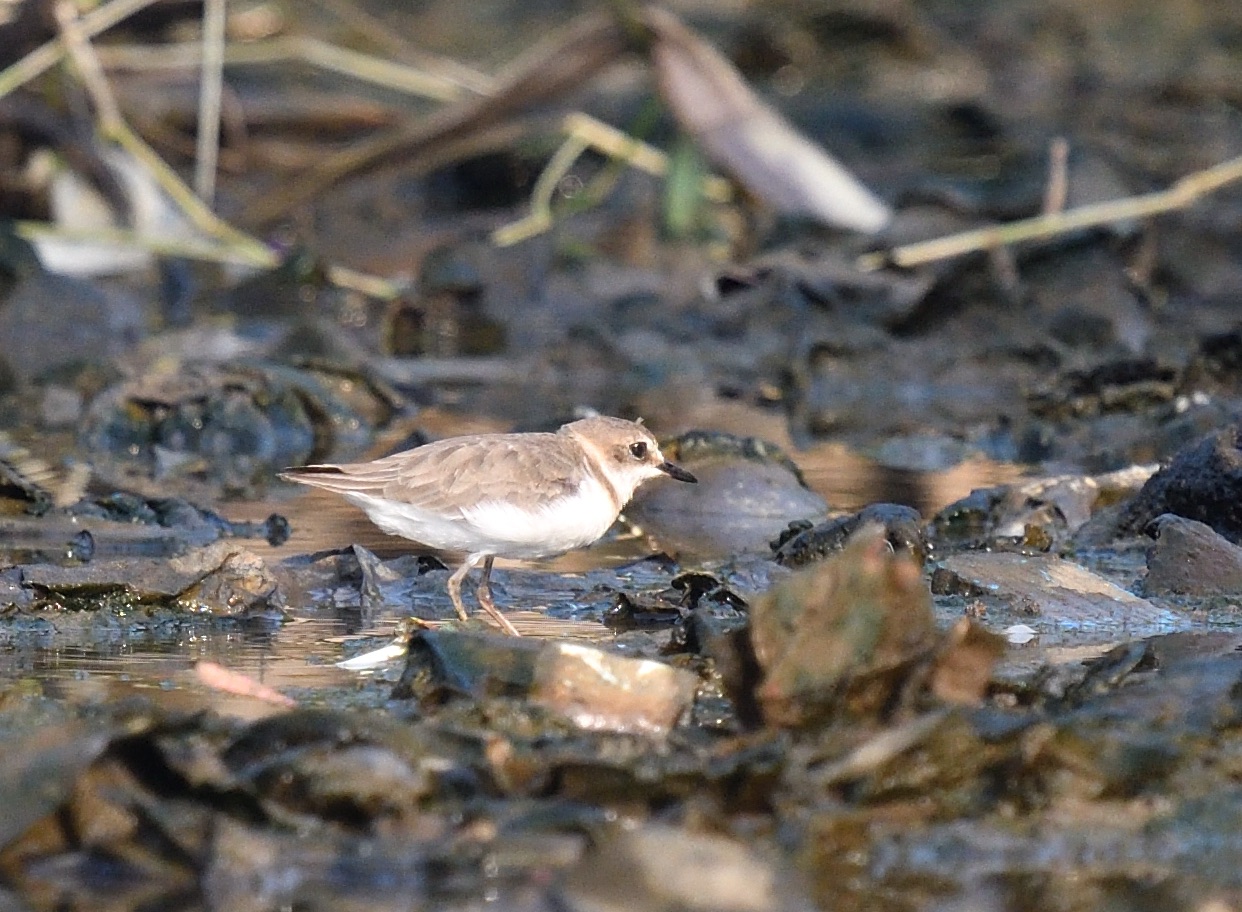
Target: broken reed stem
{"type": "Point", "coordinates": [208, 251]}
{"type": "Point", "coordinates": [540, 218]}
{"type": "Point", "coordinates": [291, 48]}
{"type": "Point", "coordinates": [46, 56]}
{"type": "Point", "coordinates": [1185, 192]}
{"type": "Point", "coordinates": [112, 126]}
{"type": "Point", "coordinates": [210, 93]}
{"type": "Point", "coordinates": [225, 243]}
{"type": "Point", "coordinates": [1056, 191]}
{"type": "Point", "coordinates": [87, 64]}
{"type": "Point", "coordinates": [584, 132]}
{"type": "Point", "coordinates": [380, 34]}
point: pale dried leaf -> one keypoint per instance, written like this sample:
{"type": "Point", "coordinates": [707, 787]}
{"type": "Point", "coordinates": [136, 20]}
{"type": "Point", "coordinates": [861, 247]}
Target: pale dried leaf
{"type": "Point", "coordinates": [749, 139]}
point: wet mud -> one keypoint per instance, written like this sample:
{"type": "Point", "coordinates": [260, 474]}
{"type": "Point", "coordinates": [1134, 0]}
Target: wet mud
{"type": "Point", "coordinates": [952, 619]}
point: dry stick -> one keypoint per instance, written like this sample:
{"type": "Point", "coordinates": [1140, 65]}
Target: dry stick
{"type": "Point", "coordinates": [211, 88]}
{"type": "Point", "coordinates": [1182, 194]}
{"type": "Point", "coordinates": [1056, 192]}
{"type": "Point", "coordinates": [584, 132]}
{"type": "Point", "coordinates": [234, 246]}
{"type": "Point", "coordinates": [112, 126]}
{"type": "Point", "coordinates": [297, 48]}
{"type": "Point", "coordinates": [46, 56]}
{"type": "Point", "coordinates": [578, 127]}
{"type": "Point", "coordinates": [636, 153]}
{"type": "Point", "coordinates": [383, 36]}
{"type": "Point", "coordinates": [87, 65]}
{"type": "Point", "coordinates": [540, 218]}
{"type": "Point", "coordinates": [207, 250]}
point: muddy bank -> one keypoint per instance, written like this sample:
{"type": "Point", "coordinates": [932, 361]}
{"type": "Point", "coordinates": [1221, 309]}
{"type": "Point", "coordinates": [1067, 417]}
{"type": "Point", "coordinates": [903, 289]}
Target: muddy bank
{"type": "Point", "coordinates": [951, 619]}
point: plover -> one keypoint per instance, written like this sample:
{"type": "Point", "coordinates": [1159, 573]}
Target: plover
{"type": "Point", "coordinates": [524, 496]}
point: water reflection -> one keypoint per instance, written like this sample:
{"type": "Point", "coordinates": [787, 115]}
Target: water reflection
{"type": "Point", "coordinates": [87, 659]}
{"type": "Point", "coordinates": [83, 668]}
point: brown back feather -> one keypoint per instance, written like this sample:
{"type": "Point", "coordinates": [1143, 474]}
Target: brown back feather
{"type": "Point", "coordinates": [451, 475]}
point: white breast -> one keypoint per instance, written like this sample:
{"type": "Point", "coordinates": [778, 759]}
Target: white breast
{"type": "Point", "coordinates": [500, 528]}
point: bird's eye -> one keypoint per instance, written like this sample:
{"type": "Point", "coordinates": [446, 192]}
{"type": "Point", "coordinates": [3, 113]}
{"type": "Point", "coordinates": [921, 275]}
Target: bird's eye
{"type": "Point", "coordinates": [639, 450]}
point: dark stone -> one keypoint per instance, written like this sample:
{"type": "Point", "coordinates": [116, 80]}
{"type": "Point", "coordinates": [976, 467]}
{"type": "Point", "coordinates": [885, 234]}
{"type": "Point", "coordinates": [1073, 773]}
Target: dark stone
{"type": "Point", "coordinates": [1129, 385]}
{"type": "Point", "coordinates": [903, 529]}
{"type": "Point", "coordinates": [1188, 558]}
{"type": "Point", "coordinates": [1203, 482]}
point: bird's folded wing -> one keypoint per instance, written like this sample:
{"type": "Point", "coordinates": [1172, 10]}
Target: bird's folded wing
{"type": "Point", "coordinates": [451, 476]}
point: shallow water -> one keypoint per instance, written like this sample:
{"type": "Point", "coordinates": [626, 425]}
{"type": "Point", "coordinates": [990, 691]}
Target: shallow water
{"type": "Point", "coordinates": [84, 659]}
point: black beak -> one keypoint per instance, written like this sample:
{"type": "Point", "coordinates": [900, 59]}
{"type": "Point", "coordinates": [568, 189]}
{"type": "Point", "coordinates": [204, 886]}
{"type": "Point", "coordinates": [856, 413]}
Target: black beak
{"type": "Point", "coordinates": [676, 471]}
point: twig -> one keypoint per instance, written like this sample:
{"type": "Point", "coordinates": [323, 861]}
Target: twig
{"type": "Point", "coordinates": [1185, 192]}
{"type": "Point", "coordinates": [46, 56]}
{"type": "Point", "coordinates": [585, 132]}
{"type": "Point", "coordinates": [372, 286]}
{"type": "Point", "coordinates": [382, 35]}
{"type": "Point", "coordinates": [542, 194]}
{"type": "Point", "coordinates": [206, 250]}
{"type": "Point", "coordinates": [87, 65]}
{"type": "Point", "coordinates": [211, 87]}
{"type": "Point", "coordinates": [1057, 190]}
{"type": "Point", "coordinates": [299, 48]}
{"type": "Point", "coordinates": [112, 126]}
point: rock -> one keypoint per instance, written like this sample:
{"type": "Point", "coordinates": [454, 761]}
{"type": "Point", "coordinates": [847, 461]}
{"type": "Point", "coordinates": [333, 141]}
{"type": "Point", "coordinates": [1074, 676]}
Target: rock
{"type": "Point", "coordinates": [233, 424]}
{"type": "Point", "coordinates": [39, 772]}
{"type": "Point", "coordinates": [600, 691]}
{"type": "Point", "coordinates": [962, 666]}
{"type": "Point", "coordinates": [1202, 482]}
{"type": "Point", "coordinates": [1128, 385]}
{"type": "Point", "coordinates": [748, 491]}
{"type": "Point", "coordinates": [1044, 509]}
{"type": "Point", "coordinates": [51, 322]}
{"type": "Point", "coordinates": [1057, 591]}
{"type": "Point", "coordinates": [1188, 558]}
{"type": "Point", "coordinates": [13, 595]}
{"type": "Point", "coordinates": [221, 579]}
{"type": "Point", "coordinates": [588, 687]}
{"type": "Point", "coordinates": [232, 582]}
{"type": "Point", "coordinates": [855, 635]}
{"type": "Point", "coordinates": [657, 868]}
{"type": "Point", "coordinates": [903, 529]}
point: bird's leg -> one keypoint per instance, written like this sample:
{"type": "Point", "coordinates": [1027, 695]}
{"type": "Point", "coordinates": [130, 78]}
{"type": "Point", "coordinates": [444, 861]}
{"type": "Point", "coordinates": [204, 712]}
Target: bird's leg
{"type": "Point", "coordinates": [484, 594]}
{"type": "Point", "coordinates": [454, 583]}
